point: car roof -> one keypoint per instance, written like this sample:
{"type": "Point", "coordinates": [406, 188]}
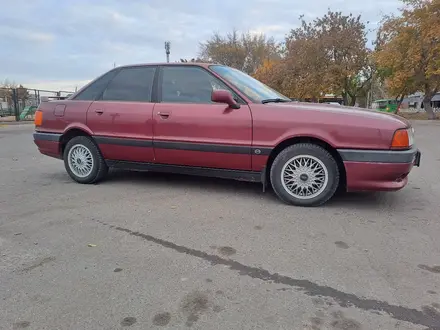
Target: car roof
{"type": "Point", "coordinates": [205, 65]}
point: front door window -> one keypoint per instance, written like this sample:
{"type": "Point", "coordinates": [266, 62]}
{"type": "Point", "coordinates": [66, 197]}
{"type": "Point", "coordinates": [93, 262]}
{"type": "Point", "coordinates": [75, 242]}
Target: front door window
{"type": "Point", "coordinates": [187, 84]}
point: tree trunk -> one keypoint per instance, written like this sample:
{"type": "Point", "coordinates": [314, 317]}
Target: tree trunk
{"type": "Point", "coordinates": [399, 103]}
{"type": "Point", "coordinates": [353, 101]}
{"type": "Point", "coordinates": [345, 98]}
{"type": "Point", "coordinates": [427, 106]}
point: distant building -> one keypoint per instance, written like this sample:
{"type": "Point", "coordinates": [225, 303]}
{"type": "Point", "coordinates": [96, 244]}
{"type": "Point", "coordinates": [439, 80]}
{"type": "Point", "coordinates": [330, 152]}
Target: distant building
{"type": "Point", "coordinates": [414, 103]}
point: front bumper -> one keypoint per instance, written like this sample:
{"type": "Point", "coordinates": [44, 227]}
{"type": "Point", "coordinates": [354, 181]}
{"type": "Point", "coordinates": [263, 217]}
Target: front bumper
{"type": "Point", "coordinates": [412, 155]}
{"type": "Point", "coordinates": [377, 170]}
{"type": "Point", "coordinates": [417, 158]}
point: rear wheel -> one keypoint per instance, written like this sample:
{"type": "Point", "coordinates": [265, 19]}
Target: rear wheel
{"type": "Point", "coordinates": [304, 174]}
{"type": "Point", "coordinates": [83, 160]}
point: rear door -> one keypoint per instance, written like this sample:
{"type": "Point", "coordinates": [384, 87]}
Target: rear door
{"type": "Point", "coordinates": [190, 129]}
{"type": "Point", "coordinates": [121, 118]}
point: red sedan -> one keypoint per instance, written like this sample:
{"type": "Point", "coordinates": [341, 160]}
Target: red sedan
{"type": "Point", "coordinates": [213, 120]}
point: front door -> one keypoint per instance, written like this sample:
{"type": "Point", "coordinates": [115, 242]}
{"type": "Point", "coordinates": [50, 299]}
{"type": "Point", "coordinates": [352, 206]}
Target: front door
{"type": "Point", "coordinates": [189, 129]}
{"type": "Point", "coordinates": [121, 119]}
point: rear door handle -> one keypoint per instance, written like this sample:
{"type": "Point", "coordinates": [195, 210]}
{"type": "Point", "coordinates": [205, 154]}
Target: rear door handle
{"type": "Point", "coordinates": [164, 115]}
{"type": "Point", "coordinates": [99, 111]}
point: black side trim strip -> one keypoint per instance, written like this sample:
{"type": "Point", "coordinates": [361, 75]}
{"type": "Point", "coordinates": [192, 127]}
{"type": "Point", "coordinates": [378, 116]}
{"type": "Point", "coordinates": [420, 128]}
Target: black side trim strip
{"type": "Point", "coordinates": [221, 148]}
{"type": "Point", "coordinates": [39, 136]}
{"type": "Point", "coordinates": [261, 151]}
{"type": "Point", "coordinates": [188, 170]}
{"type": "Point", "coordinates": [190, 146]}
{"type": "Point", "coordinates": [378, 156]}
{"type": "Point", "coordinates": [123, 141]}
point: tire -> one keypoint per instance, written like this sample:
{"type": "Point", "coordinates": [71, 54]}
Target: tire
{"type": "Point", "coordinates": [326, 182]}
{"type": "Point", "coordinates": [94, 166]}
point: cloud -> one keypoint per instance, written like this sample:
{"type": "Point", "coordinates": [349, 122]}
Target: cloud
{"type": "Point", "coordinates": [276, 30]}
{"type": "Point", "coordinates": [49, 42]}
{"type": "Point", "coordinates": [18, 34]}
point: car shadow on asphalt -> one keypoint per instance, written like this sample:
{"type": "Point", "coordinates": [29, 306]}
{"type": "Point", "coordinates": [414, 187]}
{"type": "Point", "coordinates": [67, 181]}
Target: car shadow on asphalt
{"type": "Point", "coordinates": [180, 180]}
{"type": "Point", "coordinates": [365, 200]}
{"type": "Point", "coordinates": [357, 200]}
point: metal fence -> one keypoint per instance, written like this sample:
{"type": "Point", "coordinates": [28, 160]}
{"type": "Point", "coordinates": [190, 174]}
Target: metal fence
{"type": "Point", "coordinates": [17, 104]}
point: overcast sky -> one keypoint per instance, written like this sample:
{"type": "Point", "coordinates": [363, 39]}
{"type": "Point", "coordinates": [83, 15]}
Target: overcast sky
{"type": "Point", "coordinates": [60, 44]}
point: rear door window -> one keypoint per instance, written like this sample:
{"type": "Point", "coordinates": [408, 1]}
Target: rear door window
{"type": "Point", "coordinates": [131, 84]}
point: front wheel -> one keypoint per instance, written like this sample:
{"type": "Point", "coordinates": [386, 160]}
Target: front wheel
{"type": "Point", "coordinates": [83, 160]}
{"type": "Point", "coordinates": [304, 174]}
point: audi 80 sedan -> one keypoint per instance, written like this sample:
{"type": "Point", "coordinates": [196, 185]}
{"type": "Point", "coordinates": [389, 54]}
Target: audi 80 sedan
{"type": "Point", "coordinates": [213, 120]}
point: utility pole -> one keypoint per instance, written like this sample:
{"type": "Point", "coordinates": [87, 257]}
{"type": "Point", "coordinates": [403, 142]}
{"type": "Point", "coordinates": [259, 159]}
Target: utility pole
{"type": "Point", "coordinates": [167, 50]}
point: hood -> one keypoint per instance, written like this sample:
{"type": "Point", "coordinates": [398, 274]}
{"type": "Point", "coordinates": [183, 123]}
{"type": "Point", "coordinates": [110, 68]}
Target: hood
{"type": "Point", "coordinates": [346, 111]}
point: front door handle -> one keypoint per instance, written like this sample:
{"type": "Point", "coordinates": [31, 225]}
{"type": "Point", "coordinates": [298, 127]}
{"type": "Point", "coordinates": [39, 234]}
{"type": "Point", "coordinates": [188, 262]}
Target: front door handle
{"type": "Point", "coordinates": [164, 115]}
{"type": "Point", "coordinates": [99, 111]}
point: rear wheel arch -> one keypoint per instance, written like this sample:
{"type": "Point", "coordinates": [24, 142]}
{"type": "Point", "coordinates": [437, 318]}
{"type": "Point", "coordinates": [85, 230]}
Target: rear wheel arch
{"type": "Point", "coordinates": [83, 160]}
{"type": "Point", "coordinates": [313, 140]}
{"type": "Point", "coordinates": [69, 135]}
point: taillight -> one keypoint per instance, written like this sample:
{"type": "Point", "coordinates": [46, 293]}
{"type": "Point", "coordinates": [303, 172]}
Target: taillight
{"type": "Point", "coordinates": [403, 138]}
{"type": "Point", "coordinates": [38, 119]}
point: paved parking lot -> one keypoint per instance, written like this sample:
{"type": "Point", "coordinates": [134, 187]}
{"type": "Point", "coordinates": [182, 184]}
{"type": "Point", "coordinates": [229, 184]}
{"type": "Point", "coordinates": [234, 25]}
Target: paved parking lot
{"type": "Point", "coordinates": [155, 251]}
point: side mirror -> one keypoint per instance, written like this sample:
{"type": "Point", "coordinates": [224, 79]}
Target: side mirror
{"type": "Point", "coordinates": [223, 96]}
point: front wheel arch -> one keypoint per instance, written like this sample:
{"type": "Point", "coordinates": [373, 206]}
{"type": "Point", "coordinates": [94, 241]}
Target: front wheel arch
{"type": "Point", "coordinates": [307, 139]}
{"type": "Point", "coordinates": [316, 164]}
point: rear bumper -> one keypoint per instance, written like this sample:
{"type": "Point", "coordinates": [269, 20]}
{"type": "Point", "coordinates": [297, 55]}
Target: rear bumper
{"type": "Point", "coordinates": [379, 170]}
{"type": "Point", "coordinates": [48, 143]}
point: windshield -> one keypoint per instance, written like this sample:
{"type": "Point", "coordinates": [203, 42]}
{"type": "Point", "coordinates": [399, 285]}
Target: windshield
{"type": "Point", "coordinates": [252, 88]}
{"type": "Point", "coordinates": [379, 105]}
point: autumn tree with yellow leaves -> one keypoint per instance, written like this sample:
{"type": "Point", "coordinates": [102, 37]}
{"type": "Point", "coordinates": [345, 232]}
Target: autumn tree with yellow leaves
{"type": "Point", "coordinates": [243, 51]}
{"type": "Point", "coordinates": [271, 73]}
{"type": "Point", "coordinates": [326, 55]}
{"type": "Point", "coordinates": [408, 51]}
{"type": "Point", "coordinates": [330, 55]}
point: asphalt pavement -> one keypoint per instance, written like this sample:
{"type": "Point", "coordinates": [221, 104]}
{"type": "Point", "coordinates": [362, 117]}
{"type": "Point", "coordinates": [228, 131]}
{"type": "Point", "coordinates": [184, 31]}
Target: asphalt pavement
{"type": "Point", "coordinates": [160, 251]}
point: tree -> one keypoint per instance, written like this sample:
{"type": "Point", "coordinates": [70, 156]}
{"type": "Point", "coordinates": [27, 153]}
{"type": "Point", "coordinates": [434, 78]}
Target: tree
{"type": "Point", "coordinates": [22, 93]}
{"type": "Point", "coordinates": [329, 55]}
{"type": "Point", "coordinates": [244, 51]}
{"type": "Point", "coordinates": [271, 73]}
{"type": "Point", "coordinates": [408, 50]}
{"type": "Point", "coordinates": [193, 60]}
{"type": "Point", "coordinates": [305, 63]}
{"type": "Point", "coordinates": [6, 92]}
{"type": "Point", "coordinates": [377, 90]}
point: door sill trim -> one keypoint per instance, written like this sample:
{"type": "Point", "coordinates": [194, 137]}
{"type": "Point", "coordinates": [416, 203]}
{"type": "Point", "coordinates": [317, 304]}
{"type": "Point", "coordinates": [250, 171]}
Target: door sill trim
{"type": "Point", "coordinates": [239, 175]}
